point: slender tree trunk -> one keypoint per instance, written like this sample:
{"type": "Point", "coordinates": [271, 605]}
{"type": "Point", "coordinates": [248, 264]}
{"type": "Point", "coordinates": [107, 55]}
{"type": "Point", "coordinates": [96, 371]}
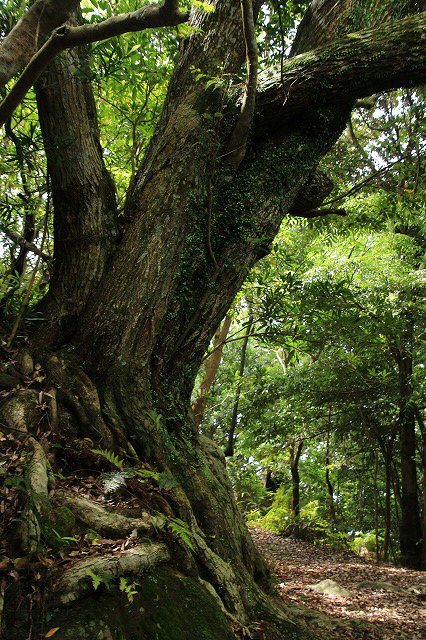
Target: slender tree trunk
{"type": "Point", "coordinates": [422, 427]}
{"type": "Point", "coordinates": [424, 500]}
{"type": "Point", "coordinates": [268, 480]}
{"type": "Point", "coordinates": [410, 527]}
{"type": "Point", "coordinates": [376, 506]}
{"type": "Point", "coordinates": [211, 367]}
{"type": "Point", "coordinates": [388, 506]}
{"type": "Point", "coordinates": [330, 488]}
{"type": "Point", "coordinates": [229, 451]}
{"type": "Point", "coordinates": [295, 453]}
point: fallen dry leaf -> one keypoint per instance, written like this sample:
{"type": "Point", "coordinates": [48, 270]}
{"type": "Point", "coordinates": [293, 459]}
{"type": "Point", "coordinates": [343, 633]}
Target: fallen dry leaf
{"type": "Point", "coordinates": [367, 614]}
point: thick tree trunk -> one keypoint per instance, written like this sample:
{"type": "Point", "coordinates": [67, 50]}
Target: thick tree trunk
{"type": "Point", "coordinates": [138, 319]}
{"type": "Point", "coordinates": [85, 220]}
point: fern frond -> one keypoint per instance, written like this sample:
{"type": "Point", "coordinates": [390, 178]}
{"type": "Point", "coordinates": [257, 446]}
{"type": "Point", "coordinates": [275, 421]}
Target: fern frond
{"type": "Point", "coordinates": [111, 457]}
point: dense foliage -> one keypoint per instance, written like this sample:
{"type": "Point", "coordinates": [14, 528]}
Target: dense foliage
{"type": "Point", "coordinates": [333, 305]}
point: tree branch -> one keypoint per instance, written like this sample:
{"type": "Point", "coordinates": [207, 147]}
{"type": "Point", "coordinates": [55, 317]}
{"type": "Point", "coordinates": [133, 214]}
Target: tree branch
{"type": "Point", "coordinates": [238, 143]}
{"type": "Point", "coordinates": [66, 37]}
{"type": "Point", "coordinates": [20, 240]}
{"type": "Point", "coordinates": [18, 47]}
{"type": "Point", "coordinates": [370, 61]}
{"type": "Point", "coordinates": [318, 213]}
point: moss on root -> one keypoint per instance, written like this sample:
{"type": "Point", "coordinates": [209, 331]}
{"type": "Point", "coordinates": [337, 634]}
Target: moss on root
{"type": "Point", "coordinates": [168, 606]}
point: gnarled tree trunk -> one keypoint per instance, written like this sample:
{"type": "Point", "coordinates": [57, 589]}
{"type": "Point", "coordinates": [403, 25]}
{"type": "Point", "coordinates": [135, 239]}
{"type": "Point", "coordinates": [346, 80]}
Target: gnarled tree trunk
{"type": "Point", "coordinates": [133, 314]}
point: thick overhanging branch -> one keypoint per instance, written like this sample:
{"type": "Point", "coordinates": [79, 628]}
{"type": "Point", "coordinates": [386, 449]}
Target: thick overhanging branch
{"type": "Point", "coordinates": [327, 20]}
{"type": "Point", "coordinates": [356, 66]}
{"type": "Point", "coordinates": [67, 37]}
{"type": "Point", "coordinates": [31, 30]}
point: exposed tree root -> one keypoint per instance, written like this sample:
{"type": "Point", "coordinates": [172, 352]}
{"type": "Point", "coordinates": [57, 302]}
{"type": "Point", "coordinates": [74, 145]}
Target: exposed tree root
{"type": "Point", "coordinates": [79, 394]}
{"type": "Point", "coordinates": [224, 577]}
{"type": "Point", "coordinates": [74, 583]}
{"type": "Point", "coordinates": [103, 520]}
{"type": "Point", "coordinates": [65, 386]}
{"type": "Point", "coordinates": [36, 501]}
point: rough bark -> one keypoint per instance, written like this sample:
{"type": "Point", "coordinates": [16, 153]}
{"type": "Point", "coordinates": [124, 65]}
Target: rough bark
{"type": "Point", "coordinates": [83, 193]}
{"type": "Point", "coordinates": [349, 68]}
{"type": "Point", "coordinates": [18, 47]}
{"type": "Point", "coordinates": [147, 311]}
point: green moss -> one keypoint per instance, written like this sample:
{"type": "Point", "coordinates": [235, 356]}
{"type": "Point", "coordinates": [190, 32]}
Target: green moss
{"type": "Point", "coordinates": [60, 523]}
{"type": "Point", "coordinates": [92, 535]}
{"type": "Point", "coordinates": [169, 606]}
{"type": "Point", "coordinates": [63, 520]}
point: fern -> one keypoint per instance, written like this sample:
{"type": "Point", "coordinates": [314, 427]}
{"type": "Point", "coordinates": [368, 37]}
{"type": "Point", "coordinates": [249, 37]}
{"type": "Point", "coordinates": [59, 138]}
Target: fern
{"type": "Point", "coordinates": [127, 588]}
{"type": "Point", "coordinates": [166, 481]}
{"type": "Point", "coordinates": [100, 578]}
{"type": "Point", "coordinates": [145, 474]}
{"type": "Point", "coordinates": [111, 457]}
{"type": "Point", "coordinates": [113, 481]}
{"type": "Point", "coordinates": [156, 418]}
{"type": "Point", "coordinates": [181, 530]}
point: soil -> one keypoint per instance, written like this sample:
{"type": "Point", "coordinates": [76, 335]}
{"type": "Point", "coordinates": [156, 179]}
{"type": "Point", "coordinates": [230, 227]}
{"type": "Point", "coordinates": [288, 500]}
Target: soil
{"type": "Point", "coordinates": [368, 613]}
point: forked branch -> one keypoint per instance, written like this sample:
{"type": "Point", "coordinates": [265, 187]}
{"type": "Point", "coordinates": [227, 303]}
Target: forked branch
{"type": "Point", "coordinates": [66, 37]}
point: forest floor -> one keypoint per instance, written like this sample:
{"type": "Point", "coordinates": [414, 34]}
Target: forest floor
{"type": "Point", "coordinates": [368, 613]}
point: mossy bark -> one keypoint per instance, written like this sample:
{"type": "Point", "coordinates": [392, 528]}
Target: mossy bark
{"type": "Point", "coordinates": [137, 322]}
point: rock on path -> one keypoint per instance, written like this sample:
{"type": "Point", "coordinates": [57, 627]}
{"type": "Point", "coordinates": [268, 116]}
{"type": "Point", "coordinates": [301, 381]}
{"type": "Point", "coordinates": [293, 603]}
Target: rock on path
{"type": "Point", "coordinates": [384, 602]}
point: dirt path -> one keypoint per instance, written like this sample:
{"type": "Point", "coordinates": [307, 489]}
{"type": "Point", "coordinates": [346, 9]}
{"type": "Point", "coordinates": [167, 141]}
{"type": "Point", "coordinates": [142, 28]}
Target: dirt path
{"type": "Point", "coordinates": [368, 613]}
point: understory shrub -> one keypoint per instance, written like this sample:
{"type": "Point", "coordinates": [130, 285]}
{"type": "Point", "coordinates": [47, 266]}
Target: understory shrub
{"type": "Point", "coordinates": [309, 526]}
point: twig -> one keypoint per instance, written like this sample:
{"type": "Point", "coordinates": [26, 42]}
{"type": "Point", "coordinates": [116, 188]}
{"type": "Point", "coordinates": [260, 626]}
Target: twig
{"type": "Point", "coordinates": [369, 178]}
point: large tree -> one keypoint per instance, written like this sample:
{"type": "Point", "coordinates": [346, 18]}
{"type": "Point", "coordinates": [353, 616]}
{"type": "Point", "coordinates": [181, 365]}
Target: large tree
{"type": "Point", "coordinates": [134, 302]}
